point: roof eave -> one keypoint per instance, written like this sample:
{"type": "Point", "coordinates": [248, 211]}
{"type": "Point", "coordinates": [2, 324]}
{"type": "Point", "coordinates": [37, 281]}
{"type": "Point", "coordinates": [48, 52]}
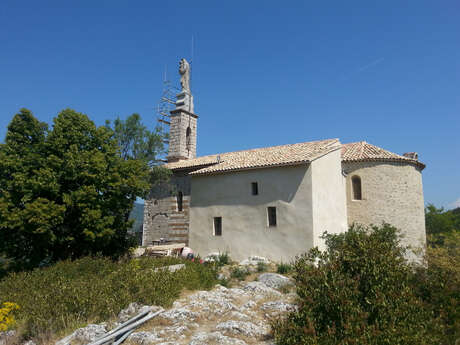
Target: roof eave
{"type": "Point", "coordinates": [410, 161]}
{"type": "Point", "coordinates": [224, 171]}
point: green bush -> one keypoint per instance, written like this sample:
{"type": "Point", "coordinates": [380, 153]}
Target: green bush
{"type": "Point", "coordinates": [67, 294]}
{"type": "Point", "coordinates": [437, 283]}
{"type": "Point", "coordinates": [261, 266]}
{"type": "Point", "coordinates": [357, 292]}
{"type": "Point", "coordinates": [239, 273]}
{"type": "Point", "coordinates": [283, 268]}
{"type": "Point", "coordinates": [223, 259]}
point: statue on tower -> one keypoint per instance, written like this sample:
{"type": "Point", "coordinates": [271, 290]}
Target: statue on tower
{"type": "Point", "coordinates": [184, 97]}
{"type": "Point", "coordinates": [184, 71]}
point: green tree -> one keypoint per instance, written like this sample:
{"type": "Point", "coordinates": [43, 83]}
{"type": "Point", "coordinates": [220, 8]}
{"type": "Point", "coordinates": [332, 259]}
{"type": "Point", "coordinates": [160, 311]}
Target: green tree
{"type": "Point", "coordinates": [357, 292]}
{"type": "Point", "coordinates": [64, 193]}
{"type": "Point", "coordinates": [136, 141]}
{"type": "Point", "coordinates": [441, 224]}
{"type": "Point", "coordinates": [438, 220]}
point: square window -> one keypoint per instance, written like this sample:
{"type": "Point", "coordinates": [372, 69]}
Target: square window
{"type": "Point", "coordinates": [271, 212]}
{"type": "Point", "coordinates": [254, 188]}
{"type": "Point", "coordinates": [217, 226]}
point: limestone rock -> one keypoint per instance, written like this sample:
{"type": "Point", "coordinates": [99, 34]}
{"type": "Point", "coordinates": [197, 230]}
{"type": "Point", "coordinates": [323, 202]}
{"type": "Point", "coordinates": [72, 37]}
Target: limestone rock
{"type": "Point", "coordinates": [274, 280]}
{"type": "Point", "coordinates": [236, 315]}
{"type": "Point", "coordinates": [236, 292]}
{"type": "Point", "coordinates": [254, 260]}
{"type": "Point", "coordinates": [5, 336]}
{"type": "Point", "coordinates": [143, 338]}
{"type": "Point", "coordinates": [214, 338]}
{"type": "Point", "coordinates": [244, 328]}
{"type": "Point", "coordinates": [214, 302]}
{"type": "Point", "coordinates": [86, 334]}
{"type": "Point", "coordinates": [258, 288]}
{"type": "Point", "coordinates": [172, 331]}
{"type": "Point", "coordinates": [248, 305]}
{"type": "Point", "coordinates": [277, 307]}
{"type": "Point", "coordinates": [90, 333]}
{"type": "Point", "coordinates": [179, 315]}
{"type": "Point", "coordinates": [134, 309]}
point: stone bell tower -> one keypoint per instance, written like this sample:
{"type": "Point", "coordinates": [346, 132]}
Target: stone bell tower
{"type": "Point", "coordinates": [182, 135]}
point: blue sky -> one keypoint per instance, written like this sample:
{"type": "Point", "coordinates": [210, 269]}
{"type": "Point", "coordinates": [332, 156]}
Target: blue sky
{"type": "Point", "coordinates": [264, 72]}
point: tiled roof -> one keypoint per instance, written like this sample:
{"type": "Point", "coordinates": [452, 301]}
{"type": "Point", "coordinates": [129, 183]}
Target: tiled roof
{"type": "Point", "coordinates": [363, 151]}
{"type": "Point", "coordinates": [259, 158]}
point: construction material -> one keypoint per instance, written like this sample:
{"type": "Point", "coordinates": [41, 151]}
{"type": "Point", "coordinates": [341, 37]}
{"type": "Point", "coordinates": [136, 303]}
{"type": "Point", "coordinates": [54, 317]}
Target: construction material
{"type": "Point", "coordinates": [173, 249]}
{"type": "Point", "coordinates": [122, 330]}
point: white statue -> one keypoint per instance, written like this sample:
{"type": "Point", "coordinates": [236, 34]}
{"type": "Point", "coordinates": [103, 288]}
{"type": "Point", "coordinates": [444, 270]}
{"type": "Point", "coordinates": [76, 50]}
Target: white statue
{"type": "Point", "coordinates": [184, 71]}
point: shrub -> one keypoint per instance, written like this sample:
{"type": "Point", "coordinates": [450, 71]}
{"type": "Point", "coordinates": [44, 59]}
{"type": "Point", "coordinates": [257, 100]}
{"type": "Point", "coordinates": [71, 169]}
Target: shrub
{"type": "Point", "coordinates": [6, 315]}
{"type": "Point", "coordinates": [68, 294]}
{"type": "Point", "coordinates": [357, 292]}
{"type": "Point", "coordinates": [223, 259]}
{"type": "Point", "coordinates": [239, 273]}
{"type": "Point", "coordinates": [437, 283]}
{"type": "Point", "coordinates": [261, 266]}
{"type": "Point", "coordinates": [283, 268]}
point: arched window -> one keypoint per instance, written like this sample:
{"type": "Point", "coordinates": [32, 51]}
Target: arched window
{"type": "Point", "coordinates": [180, 198]}
{"type": "Point", "coordinates": [188, 135]}
{"type": "Point", "coordinates": [356, 186]}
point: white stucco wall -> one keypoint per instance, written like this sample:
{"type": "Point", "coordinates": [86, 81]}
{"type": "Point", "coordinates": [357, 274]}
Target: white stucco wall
{"type": "Point", "coordinates": [309, 200]}
{"type": "Point", "coordinates": [245, 229]}
{"type": "Point", "coordinates": [329, 200]}
{"type": "Point", "coordinates": [391, 193]}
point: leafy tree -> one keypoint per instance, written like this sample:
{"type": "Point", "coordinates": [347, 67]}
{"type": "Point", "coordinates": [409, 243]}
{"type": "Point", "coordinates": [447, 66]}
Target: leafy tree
{"type": "Point", "coordinates": [136, 141]}
{"type": "Point", "coordinates": [357, 292]}
{"type": "Point", "coordinates": [66, 192]}
{"type": "Point", "coordinates": [438, 220]}
{"type": "Point", "coordinates": [441, 224]}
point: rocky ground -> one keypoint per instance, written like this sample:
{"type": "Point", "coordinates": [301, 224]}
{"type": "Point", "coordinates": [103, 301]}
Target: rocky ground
{"type": "Point", "coordinates": [238, 315]}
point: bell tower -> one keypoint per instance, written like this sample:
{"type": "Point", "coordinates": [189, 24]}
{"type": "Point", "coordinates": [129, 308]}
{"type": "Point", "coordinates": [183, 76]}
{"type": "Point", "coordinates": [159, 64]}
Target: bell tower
{"type": "Point", "coordinates": [182, 134]}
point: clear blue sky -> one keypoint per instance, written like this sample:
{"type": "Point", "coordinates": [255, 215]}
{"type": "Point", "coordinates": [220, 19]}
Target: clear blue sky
{"type": "Point", "coordinates": [264, 72]}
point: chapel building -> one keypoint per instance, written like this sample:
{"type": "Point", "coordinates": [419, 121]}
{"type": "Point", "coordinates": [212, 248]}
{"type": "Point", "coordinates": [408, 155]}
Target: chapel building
{"type": "Point", "coordinates": [277, 201]}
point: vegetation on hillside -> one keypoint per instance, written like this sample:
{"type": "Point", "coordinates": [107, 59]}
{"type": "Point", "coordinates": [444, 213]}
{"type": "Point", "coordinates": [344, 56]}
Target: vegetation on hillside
{"type": "Point", "coordinates": [71, 293]}
{"type": "Point", "coordinates": [362, 291]}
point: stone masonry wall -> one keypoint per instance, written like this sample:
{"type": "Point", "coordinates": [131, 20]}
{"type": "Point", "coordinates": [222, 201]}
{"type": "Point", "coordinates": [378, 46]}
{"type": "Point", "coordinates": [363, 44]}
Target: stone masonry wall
{"type": "Point", "coordinates": [177, 136]}
{"type": "Point", "coordinates": [162, 219]}
{"type": "Point", "coordinates": [391, 193]}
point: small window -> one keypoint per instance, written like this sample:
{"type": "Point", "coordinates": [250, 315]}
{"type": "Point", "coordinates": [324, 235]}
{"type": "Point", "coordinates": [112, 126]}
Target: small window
{"type": "Point", "coordinates": [217, 226]}
{"type": "Point", "coordinates": [180, 201]}
{"type": "Point", "coordinates": [356, 186]}
{"type": "Point", "coordinates": [254, 188]}
{"type": "Point", "coordinates": [271, 216]}
{"type": "Point", "coordinates": [188, 134]}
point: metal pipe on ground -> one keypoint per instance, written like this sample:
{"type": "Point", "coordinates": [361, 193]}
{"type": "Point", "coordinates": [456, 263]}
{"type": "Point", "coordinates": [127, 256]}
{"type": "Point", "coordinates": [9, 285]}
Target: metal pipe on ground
{"type": "Point", "coordinates": [122, 331]}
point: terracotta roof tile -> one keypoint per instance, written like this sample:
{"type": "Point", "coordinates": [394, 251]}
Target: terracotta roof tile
{"type": "Point", "coordinates": [363, 151]}
{"type": "Point", "coordinates": [259, 158]}
{"type": "Point", "coordinates": [287, 155]}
